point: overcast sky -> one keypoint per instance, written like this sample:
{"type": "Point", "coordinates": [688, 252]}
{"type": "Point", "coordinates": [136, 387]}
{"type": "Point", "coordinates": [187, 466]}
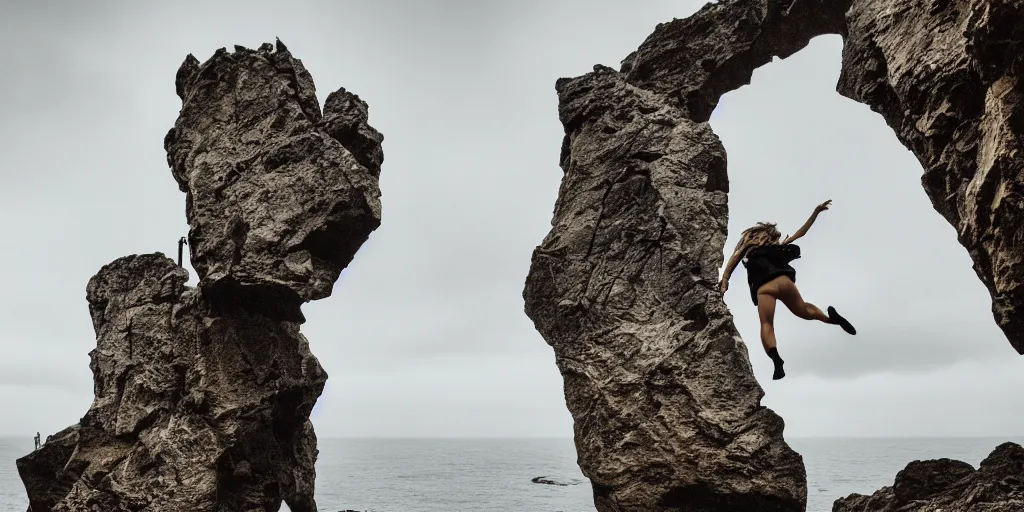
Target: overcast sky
{"type": "Point", "coordinates": [425, 334]}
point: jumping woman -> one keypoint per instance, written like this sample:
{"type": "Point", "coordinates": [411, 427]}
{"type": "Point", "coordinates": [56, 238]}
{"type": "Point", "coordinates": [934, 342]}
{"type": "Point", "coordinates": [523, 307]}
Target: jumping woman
{"type": "Point", "coordinates": [771, 278]}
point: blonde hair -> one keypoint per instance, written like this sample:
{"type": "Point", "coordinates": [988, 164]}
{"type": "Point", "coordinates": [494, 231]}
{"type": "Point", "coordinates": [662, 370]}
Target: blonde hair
{"type": "Point", "coordinates": [764, 233]}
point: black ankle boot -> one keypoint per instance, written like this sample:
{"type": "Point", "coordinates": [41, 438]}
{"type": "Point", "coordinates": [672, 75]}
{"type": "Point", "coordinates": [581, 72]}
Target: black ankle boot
{"type": "Point", "coordinates": [779, 372]}
{"type": "Point", "coordinates": [840, 321]}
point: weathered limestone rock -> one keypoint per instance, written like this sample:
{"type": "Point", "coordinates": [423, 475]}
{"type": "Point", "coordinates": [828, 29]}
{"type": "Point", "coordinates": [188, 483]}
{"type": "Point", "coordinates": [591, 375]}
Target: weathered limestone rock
{"type": "Point", "coordinates": [203, 396]}
{"type": "Point", "coordinates": [667, 413]}
{"type": "Point", "coordinates": [950, 485]}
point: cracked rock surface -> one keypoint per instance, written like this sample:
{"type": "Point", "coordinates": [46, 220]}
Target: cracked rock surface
{"type": "Point", "coordinates": [666, 410]}
{"type": "Point", "coordinates": [203, 395]}
{"type": "Point", "coordinates": [251, 135]}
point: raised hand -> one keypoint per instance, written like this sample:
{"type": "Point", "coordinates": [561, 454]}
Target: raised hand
{"type": "Point", "coordinates": [823, 206]}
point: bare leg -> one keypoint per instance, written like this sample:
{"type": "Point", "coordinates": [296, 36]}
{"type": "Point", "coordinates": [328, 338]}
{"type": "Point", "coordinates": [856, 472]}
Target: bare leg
{"type": "Point", "coordinates": [789, 294]}
{"type": "Point", "coordinates": [766, 313]}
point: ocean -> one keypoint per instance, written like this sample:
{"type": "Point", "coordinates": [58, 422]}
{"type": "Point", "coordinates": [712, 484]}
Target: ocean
{"type": "Point", "coordinates": [485, 475]}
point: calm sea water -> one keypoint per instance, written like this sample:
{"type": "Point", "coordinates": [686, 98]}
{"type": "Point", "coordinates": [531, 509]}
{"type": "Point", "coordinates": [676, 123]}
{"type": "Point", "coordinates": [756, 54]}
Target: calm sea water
{"type": "Point", "coordinates": [428, 475]}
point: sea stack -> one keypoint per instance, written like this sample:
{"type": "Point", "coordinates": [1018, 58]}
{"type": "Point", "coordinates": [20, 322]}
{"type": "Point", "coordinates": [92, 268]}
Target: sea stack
{"type": "Point", "coordinates": [203, 395]}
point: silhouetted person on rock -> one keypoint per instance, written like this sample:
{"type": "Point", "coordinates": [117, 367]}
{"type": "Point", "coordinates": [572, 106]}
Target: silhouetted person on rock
{"type": "Point", "coordinates": [771, 278]}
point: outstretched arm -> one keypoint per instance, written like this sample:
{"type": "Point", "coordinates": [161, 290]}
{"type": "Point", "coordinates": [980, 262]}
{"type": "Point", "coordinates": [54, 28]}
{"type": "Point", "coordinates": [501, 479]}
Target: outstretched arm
{"type": "Point", "coordinates": [807, 225]}
{"type": "Point", "coordinates": [731, 266]}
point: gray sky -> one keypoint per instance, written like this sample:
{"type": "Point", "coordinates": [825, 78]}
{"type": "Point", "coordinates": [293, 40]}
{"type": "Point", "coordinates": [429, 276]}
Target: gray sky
{"type": "Point", "coordinates": [425, 334]}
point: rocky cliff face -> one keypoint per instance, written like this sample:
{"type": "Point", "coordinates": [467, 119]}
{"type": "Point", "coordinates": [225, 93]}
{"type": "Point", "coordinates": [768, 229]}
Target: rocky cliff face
{"type": "Point", "coordinates": [947, 77]}
{"type": "Point", "coordinates": [951, 485]}
{"type": "Point", "coordinates": [203, 396]}
{"type": "Point", "coordinates": [667, 412]}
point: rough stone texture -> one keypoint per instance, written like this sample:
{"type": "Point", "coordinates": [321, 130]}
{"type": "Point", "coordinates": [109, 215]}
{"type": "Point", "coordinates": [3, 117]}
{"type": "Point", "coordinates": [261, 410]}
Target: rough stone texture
{"type": "Point", "coordinates": [667, 413]}
{"type": "Point", "coordinates": [951, 486]}
{"type": "Point", "coordinates": [250, 134]}
{"type": "Point", "coordinates": [946, 76]}
{"type": "Point", "coordinates": [203, 395]}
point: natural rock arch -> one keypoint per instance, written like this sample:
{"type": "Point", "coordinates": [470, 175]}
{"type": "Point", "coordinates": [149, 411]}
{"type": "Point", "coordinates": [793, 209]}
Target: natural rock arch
{"type": "Point", "coordinates": [666, 409]}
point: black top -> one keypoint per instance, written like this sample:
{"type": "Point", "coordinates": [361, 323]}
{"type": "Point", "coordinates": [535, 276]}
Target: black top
{"type": "Point", "coordinates": [767, 262]}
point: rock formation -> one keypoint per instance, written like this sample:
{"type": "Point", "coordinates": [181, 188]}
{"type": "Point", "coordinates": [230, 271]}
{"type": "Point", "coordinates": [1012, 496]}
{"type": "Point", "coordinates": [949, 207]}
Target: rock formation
{"type": "Point", "coordinates": [950, 485]}
{"type": "Point", "coordinates": [546, 480]}
{"type": "Point", "coordinates": [203, 394]}
{"type": "Point", "coordinates": [666, 409]}
{"type": "Point", "coordinates": [947, 77]}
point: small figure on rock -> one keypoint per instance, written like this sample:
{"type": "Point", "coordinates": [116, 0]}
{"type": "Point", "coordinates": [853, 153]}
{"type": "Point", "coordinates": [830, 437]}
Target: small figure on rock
{"type": "Point", "coordinates": [181, 242]}
{"type": "Point", "coordinates": [38, 439]}
{"type": "Point", "coordinates": [771, 278]}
